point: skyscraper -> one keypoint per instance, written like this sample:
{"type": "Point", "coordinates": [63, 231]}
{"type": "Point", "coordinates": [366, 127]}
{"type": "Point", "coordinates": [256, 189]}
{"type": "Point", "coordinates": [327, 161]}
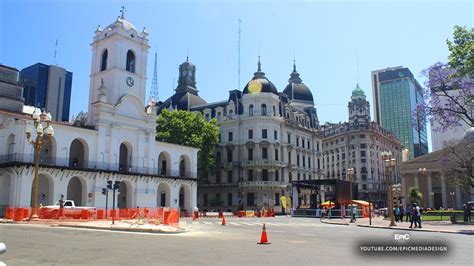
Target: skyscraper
{"type": "Point", "coordinates": [48, 87]}
{"type": "Point", "coordinates": [396, 93]}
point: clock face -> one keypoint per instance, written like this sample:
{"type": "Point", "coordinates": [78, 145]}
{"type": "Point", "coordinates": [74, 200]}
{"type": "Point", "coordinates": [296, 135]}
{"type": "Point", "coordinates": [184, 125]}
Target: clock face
{"type": "Point", "coordinates": [184, 73]}
{"type": "Point", "coordinates": [130, 81]}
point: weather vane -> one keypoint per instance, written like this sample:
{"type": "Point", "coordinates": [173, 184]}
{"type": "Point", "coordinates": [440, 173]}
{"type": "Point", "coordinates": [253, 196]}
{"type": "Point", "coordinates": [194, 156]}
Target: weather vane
{"type": "Point", "coordinates": [122, 10]}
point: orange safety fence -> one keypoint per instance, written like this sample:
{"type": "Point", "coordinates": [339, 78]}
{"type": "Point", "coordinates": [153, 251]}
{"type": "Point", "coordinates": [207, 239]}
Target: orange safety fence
{"type": "Point", "coordinates": [156, 215]}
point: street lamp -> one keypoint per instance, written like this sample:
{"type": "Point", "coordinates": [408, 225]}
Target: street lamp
{"type": "Point", "coordinates": [351, 172]}
{"type": "Point", "coordinates": [38, 145]}
{"type": "Point", "coordinates": [114, 188]}
{"type": "Point", "coordinates": [452, 194]}
{"type": "Point", "coordinates": [390, 164]}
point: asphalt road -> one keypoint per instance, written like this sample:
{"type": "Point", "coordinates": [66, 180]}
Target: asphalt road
{"type": "Point", "coordinates": [295, 241]}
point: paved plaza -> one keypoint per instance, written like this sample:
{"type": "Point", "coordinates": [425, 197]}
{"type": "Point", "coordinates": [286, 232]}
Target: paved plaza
{"type": "Point", "coordinates": [296, 241]}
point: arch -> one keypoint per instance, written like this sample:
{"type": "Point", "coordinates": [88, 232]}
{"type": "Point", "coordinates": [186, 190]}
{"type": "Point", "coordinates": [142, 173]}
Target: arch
{"type": "Point", "coordinates": [163, 195]}
{"type": "Point", "coordinates": [10, 146]}
{"type": "Point", "coordinates": [231, 113]}
{"type": "Point", "coordinates": [130, 61]}
{"type": "Point", "coordinates": [125, 156]}
{"type": "Point", "coordinates": [164, 163]}
{"type": "Point", "coordinates": [184, 166]}
{"type": "Point", "coordinates": [264, 109]}
{"type": "Point", "coordinates": [103, 62]}
{"type": "Point", "coordinates": [251, 110]}
{"type": "Point", "coordinates": [78, 153]}
{"type": "Point", "coordinates": [77, 191]}
{"type": "Point", "coordinates": [5, 187]}
{"type": "Point", "coordinates": [45, 194]}
{"type": "Point", "coordinates": [48, 151]}
{"type": "Point", "coordinates": [124, 198]}
{"type": "Point", "coordinates": [185, 198]}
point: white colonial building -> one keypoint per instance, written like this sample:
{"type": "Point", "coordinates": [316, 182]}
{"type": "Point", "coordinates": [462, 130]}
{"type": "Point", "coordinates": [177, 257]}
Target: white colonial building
{"type": "Point", "coordinates": [116, 142]}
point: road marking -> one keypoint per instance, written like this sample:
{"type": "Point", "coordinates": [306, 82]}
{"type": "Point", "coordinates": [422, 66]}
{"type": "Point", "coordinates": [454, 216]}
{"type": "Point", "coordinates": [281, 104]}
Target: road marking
{"type": "Point", "coordinates": [206, 222]}
{"type": "Point", "coordinates": [274, 224]}
{"type": "Point", "coordinates": [247, 223]}
{"type": "Point", "coordinates": [232, 223]}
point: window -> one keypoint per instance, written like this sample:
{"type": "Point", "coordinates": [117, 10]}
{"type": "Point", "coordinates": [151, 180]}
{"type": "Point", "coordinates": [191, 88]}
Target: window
{"type": "Point", "coordinates": [317, 146]}
{"type": "Point", "coordinates": [277, 175]}
{"type": "Point", "coordinates": [231, 113]}
{"type": "Point", "coordinates": [250, 133]}
{"type": "Point", "coordinates": [363, 146]}
{"type": "Point", "coordinates": [289, 138]}
{"type": "Point", "coordinates": [289, 157]}
{"type": "Point", "coordinates": [264, 133]}
{"type": "Point", "coordinates": [264, 175]}
{"type": "Point", "coordinates": [308, 145]}
{"type": "Point", "coordinates": [275, 134]}
{"type": "Point", "coordinates": [205, 199]}
{"type": "Point", "coordinates": [304, 161]}
{"type": "Point", "coordinates": [309, 162]}
{"type": "Point", "coordinates": [229, 199]}
{"type": "Point", "coordinates": [250, 199]}
{"type": "Point", "coordinates": [130, 61]}
{"type": "Point", "coordinates": [229, 156]}
{"type": "Point", "coordinates": [218, 176]}
{"type": "Point", "coordinates": [276, 154]}
{"type": "Point", "coordinates": [277, 199]}
{"type": "Point", "coordinates": [298, 160]}
{"type": "Point", "coordinates": [274, 111]}
{"type": "Point", "coordinates": [298, 176]}
{"type": "Point", "coordinates": [229, 176]}
{"type": "Point", "coordinates": [251, 110]}
{"type": "Point", "coordinates": [362, 153]}
{"type": "Point", "coordinates": [218, 157]}
{"type": "Point", "coordinates": [264, 153]}
{"type": "Point", "coordinates": [264, 109]}
{"type": "Point", "coordinates": [297, 141]}
{"type": "Point", "coordinates": [290, 177]}
{"type": "Point", "coordinates": [302, 142]}
{"type": "Point", "coordinates": [362, 136]}
{"type": "Point", "coordinates": [103, 64]}
{"type": "Point", "coordinates": [250, 175]}
{"type": "Point", "coordinates": [231, 136]}
{"type": "Point", "coordinates": [207, 117]}
{"type": "Point", "coordinates": [250, 154]}
{"type": "Point", "coordinates": [219, 136]}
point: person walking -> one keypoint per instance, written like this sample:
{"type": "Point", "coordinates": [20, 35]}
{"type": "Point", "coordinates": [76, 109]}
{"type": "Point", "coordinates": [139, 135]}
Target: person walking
{"type": "Point", "coordinates": [397, 213]}
{"type": "Point", "coordinates": [408, 212]}
{"type": "Point", "coordinates": [401, 213]}
{"type": "Point", "coordinates": [466, 212]}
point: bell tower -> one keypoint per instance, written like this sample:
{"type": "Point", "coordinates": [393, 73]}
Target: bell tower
{"type": "Point", "coordinates": [358, 107]}
{"type": "Point", "coordinates": [119, 64]}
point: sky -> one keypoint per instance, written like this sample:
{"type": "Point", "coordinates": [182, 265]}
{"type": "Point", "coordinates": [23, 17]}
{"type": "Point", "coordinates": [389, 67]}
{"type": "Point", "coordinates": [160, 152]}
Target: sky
{"type": "Point", "coordinates": [336, 44]}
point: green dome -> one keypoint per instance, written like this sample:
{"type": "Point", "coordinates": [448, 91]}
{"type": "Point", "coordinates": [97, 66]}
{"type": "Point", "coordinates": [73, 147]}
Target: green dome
{"type": "Point", "coordinates": [358, 91]}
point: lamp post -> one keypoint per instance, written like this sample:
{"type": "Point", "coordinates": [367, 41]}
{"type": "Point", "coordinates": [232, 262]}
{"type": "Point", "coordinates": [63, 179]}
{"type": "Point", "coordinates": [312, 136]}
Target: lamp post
{"type": "Point", "coordinates": [351, 172]}
{"type": "Point", "coordinates": [113, 187]}
{"type": "Point", "coordinates": [452, 194]}
{"type": "Point", "coordinates": [38, 145]}
{"type": "Point", "coordinates": [390, 164]}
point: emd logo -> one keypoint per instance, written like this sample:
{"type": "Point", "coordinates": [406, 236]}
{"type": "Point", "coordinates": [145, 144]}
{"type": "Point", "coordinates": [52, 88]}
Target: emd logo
{"type": "Point", "coordinates": [401, 236]}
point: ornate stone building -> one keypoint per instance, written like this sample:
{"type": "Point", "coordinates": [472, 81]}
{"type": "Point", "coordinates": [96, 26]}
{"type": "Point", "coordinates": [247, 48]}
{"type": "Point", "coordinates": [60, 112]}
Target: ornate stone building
{"type": "Point", "coordinates": [116, 142]}
{"type": "Point", "coordinates": [359, 144]}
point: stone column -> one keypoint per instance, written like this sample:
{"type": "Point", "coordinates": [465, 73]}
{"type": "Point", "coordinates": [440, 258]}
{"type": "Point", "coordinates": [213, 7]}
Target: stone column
{"type": "Point", "coordinates": [416, 182]}
{"type": "Point", "coordinates": [458, 198]}
{"type": "Point", "coordinates": [443, 191]}
{"type": "Point", "coordinates": [430, 190]}
{"type": "Point", "coordinates": [295, 198]}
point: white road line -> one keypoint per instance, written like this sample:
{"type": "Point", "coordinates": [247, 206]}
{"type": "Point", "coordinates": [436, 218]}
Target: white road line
{"type": "Point", "coordinates": [232, 223]}
{"type": "Point", "coordinates": [247, 223]}
{"type": "Point", "coordinates": [273, 224]}
{"type": "Point", "coordinates": [207, 222]}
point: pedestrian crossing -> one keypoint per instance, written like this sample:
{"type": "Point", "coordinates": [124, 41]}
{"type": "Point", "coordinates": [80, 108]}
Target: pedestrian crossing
{"type": "Point", "coordinates": [185, 222]}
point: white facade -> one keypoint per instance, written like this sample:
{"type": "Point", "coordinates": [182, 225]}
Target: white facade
{"type": "Point", "coordinates": [117, 143]}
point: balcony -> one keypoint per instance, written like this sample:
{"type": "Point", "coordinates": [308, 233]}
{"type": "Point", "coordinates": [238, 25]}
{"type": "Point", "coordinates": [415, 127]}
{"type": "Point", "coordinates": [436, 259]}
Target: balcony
{"type": "Point", "coordinates": [66, 163]}
{"type": "Point", "coordinates": [263, 185]}
{"type": "Point", "coordinates": [217, 185]}
{"type": "Point", "coordinates": [263, 163]}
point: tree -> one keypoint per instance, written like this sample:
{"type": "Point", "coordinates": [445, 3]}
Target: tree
{"type": "Point", "coordinates": [449, 93]}
{"type": "Point", "coordinates": [414, 196]}
{"type": "Point", "coordinates": [459, 164]}
{"type": "Point", "coordinates": [190, 129]}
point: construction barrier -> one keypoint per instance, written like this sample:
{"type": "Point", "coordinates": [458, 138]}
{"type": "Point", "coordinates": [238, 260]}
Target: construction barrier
{"type": "Point", "coordinates": [10, 213]}
{"type": "Point", "coordinates": [18, 215]}
{"type": "Point", "coordinates": [171, 217]}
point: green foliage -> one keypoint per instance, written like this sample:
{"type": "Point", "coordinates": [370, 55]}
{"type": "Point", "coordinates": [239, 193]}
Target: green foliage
{"type": "Point", "coordinates": [414, 196]}
{"type": "Point", "coordinates": [462, 50]}
{"type": "Point", "coordinates": [190, 129]}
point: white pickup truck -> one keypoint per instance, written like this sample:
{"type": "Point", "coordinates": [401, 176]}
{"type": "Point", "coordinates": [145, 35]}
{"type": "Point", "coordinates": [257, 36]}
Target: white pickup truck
{"type": "Point", "coordinates": [69, 204]}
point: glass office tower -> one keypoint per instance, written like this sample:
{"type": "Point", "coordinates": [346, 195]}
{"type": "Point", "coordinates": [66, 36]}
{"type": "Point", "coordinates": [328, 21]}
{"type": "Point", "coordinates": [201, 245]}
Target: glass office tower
{"type": "Point", "coordinates": [396, 93]}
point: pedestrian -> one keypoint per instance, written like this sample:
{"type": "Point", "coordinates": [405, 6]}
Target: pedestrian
{"type": "Point", "coordinates": [408, 212]}
{"type": "Point", "coordinates": [465, 212]}
{"type": "Point", "coordinates": [414, 216]}
{"type": "Point", "coordinates": [397, 213]}
{"type": "Point", "coordinates": [401, 213]}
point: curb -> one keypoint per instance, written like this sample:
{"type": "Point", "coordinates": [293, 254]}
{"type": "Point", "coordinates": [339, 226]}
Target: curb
{"type": "Point", "coordinates": [401, 228]}
{"type": "Point", "coordinates": [139, 230]}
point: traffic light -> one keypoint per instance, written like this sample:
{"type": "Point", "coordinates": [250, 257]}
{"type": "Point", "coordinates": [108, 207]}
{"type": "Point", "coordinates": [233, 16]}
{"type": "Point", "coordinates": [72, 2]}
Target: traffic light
{"type": "Point", "coordinates": [104, 191]}
{"type": "Point", "coordinates": [117, 185]}
{"type": "Point", "coordinates": [109, 184]}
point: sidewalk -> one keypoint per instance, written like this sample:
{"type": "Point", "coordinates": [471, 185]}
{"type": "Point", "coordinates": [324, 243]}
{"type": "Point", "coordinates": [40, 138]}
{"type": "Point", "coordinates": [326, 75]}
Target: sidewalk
{"type": "Point", "coordinates": [123, 225]}
{"type": "Point", "coordinates": [378, 222]}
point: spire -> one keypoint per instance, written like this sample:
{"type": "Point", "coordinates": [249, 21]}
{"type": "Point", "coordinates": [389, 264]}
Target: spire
{"type": "Point", "coordinates": [295, 76]}
{"type": "Point", "coordinates": [259, 73]}
{"type": "Point", "coordinates": [294, 65]}
{"type": "Point", "coordinates": [259, 69]}
{"type": "Point", "coordinates": [122, 10]}
{"type": "Point", "coordinates": [357, 91]}
{"type": "Point", "coordinates": [154, 82]}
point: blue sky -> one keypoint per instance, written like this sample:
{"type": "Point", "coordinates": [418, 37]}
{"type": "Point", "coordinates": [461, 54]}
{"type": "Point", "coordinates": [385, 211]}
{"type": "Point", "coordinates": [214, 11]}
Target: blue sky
{"type": "Point", "coordinates": [325, 37]}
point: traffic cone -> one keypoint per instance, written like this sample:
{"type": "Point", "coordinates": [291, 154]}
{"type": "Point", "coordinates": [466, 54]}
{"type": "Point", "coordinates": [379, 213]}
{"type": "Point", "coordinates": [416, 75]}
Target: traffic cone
{"type": "Point", "coordinates": [223, 220]}
{"type": "Point", "coordinates": [263, 238]}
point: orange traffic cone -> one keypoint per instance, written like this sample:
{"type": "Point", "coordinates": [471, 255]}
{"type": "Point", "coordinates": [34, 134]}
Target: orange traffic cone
{"type": "Point", "coordinates": [223, 220]}
{"type": "Point", "coordinates": [263, 238]}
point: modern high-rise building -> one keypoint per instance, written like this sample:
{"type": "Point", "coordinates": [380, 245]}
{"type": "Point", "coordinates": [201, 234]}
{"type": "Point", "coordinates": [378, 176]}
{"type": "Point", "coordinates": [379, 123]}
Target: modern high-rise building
{"type": "Point", "coordinates": [396, 93]}
{"type": "Point", "coordinates": [48, 87]}
{"type": "Point", "coordinates": [10, 90]}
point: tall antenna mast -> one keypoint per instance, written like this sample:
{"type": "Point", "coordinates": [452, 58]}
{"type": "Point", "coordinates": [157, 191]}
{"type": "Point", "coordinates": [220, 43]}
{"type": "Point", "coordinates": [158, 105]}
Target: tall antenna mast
{"type": "Point", "coordinates": [56, 52]}
{"type": "Point", "coordinates": [357, 60]}
{"type": "Point", "coordinates": [238, 67]}
{"type": "Point", "coordinates": [154, 82]}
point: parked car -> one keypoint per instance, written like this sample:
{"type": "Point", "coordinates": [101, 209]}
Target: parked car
{"type": "Point", "coordinates": [69, 204]}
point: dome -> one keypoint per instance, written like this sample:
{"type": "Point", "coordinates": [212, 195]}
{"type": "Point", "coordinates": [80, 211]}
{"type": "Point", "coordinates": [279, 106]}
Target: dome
{"type": "Point", "coordinates": [122, 23]}
{"type": "Point", "coordinates": [469, 135]}
{"type": "Point", "coordinates": [357, 91]}
{"type": "Point", "coordinates": [296, 89]}
{"type": "Point", "coordinates": [259, 83]}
